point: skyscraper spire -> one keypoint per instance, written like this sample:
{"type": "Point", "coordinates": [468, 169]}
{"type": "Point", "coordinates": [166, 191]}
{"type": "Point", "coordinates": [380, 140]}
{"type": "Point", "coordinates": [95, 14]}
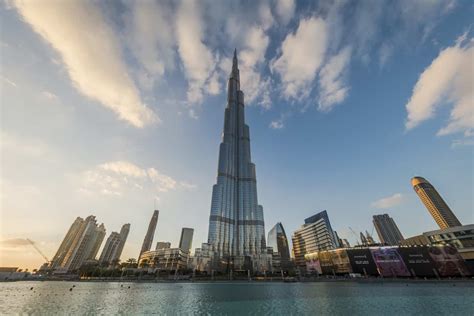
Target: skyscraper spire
{"type": "Point", "coordinates": [235, 67]}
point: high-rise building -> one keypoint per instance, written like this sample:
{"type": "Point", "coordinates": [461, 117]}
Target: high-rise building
{"type": "Point", "coordinates": [279, 242]}
{"type": "Point", "coordinates": [71, 235]}
{"type": "Point", "coordinates": [111, 245]}
{"type": "Point", "coordinates": [85, 240]}
{"type": "Point", "coordinates": [435, 204]}
{"type": "Point", "coordinates": [370, 239]}
{"type": "Point", "coordinates": [236, 224]}
{"type": "Point", "coordinates": [150, 233]}
{"type": "Point", "coordinates": [123, 238]}
{"type": "Point", "coordinates": [162, 245]}
{"type": "Point", "coordinates": [114, 246]}
{"type": "Point", "coordinates": [363, 240]}
{"type": "Point", "coordinates": [387, 230]}
{"type": "Point", "coordinates": [186, 240]}
{"type": "Point", "coordinates": [316, 234]}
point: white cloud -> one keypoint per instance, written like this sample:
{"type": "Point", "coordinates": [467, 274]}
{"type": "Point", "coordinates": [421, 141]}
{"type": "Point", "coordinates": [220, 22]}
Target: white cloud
{"type": "Point", "coordinates": [389, 201]}
{"type": "Point", "coordinates": [251, 58]}
{"type": "Point", "coordinates": [285, 10]}
{"type": "Point", "coordinates": [91, 54]}
{"type": "Point", "coordinates": [198, 61]}
{"type": "Point", "coordinates": [448, 80]}
{"type": "Point", "coordinates": [278, 124]}
{"type": "Point", "coordinates": [266, 16]}
{"type": "Point", "coordinates": [332, 87]}
{"type": "Point", "coordinates": [49, 95]}
{"type": "Point", "coordinates": [118, 177]}
{"type": "Point", "coordinates": [150, 34]}
{"type": "Point", "coordinates": [11, 83]}
{"type": "Point", "coordinates": [302, 55]}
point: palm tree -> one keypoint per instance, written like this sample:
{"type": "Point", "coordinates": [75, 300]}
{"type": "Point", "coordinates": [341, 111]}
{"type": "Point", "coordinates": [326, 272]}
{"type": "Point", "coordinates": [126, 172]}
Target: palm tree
{"type": "Point", "coordinates": [131, 262]}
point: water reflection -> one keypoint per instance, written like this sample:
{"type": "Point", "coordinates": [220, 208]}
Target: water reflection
{"type": "Point", "coordinates": [235, 298]}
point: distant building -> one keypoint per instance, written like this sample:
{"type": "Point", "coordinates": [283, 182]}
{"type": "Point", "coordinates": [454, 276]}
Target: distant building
{"type": "Point", "coordinates": [387, 230]}
{"type": "Point", "coordinates": [316, 234]}
{"type": "Point", "coordinates": [123, 238]}
{"type": "Point", "coordinates": [435, 204]}
{"type": "Point", "coordinates": [345, 243]}
{"type": "Point", "coordinates": [203, 257]}
{"type": "Point", "coordinates": [114, 246]}
{"type": "Point", "coordinates": [418, 240]}
{"type": "Point", "coordinates": [363, 240]}
{"type": "Point", "coordinates": [165, 259]}
{"type": "Point", "coordinates": [66, 244]}
{"type": "Point", "coordinates": [82, 242]}
{"type": "Point", "coordinates": [110, 248]}
{"type": "Point", "coordinates": [150, 233]}
{"type": "Point", "coordinates": [186, 239]}
{"type": "Point", "coordinates": [162, 245]}
{"type": "Point", "coordinates": [460, 237]}
{"type": "Point", "coordinates": [278, 241]}
{"type": "Point", "coordinates": [370, 239]}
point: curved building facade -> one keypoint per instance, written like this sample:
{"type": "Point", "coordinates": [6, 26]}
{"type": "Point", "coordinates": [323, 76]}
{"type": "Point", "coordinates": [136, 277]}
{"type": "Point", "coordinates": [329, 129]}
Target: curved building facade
{"type": "Point", "coordinates": [279, 242]}
{"type": "Point", "coordinates": [435, 204]}
{"type": "Point", "coordinates": [236, 225]}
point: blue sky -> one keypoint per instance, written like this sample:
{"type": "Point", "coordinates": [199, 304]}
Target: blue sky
{"type": "Point", "coordinates": [112, 108]}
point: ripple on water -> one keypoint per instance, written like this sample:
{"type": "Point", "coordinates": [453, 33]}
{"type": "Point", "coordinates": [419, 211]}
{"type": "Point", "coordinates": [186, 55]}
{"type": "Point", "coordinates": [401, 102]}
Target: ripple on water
{"type": "Point", "coordinates": [236, 298]}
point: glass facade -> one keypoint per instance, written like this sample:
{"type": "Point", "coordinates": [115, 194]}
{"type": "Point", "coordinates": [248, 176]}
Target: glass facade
{"type": "Point", "coordinates": [316, 234]}
{"type": "Point", "coordinates": [388, 231]}
{"type": "Point", "coordinates": [435, 204]}
{"type": "Point", "coordinates": [278, 241]}
{"type": "Point", "coordinates": [236, 224]}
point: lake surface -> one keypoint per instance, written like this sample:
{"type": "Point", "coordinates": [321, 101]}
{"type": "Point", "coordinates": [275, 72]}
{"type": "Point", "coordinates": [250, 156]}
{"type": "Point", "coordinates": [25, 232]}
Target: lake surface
{"type": "Point", "coordinates": [322, 298]}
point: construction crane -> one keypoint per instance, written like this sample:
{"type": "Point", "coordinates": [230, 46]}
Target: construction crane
{"type": "Point", "coordinates": [355, 235]}
{"type": "Point", "coordinates": [37, 249]}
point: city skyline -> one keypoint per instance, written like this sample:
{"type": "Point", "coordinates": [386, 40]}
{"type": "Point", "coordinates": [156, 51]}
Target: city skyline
{"type": "Point", "coordinates": [344, 132]}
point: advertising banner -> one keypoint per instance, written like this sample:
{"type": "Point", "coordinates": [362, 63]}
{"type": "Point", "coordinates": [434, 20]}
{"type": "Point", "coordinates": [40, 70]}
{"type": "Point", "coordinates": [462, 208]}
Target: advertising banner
{"type": "Point", "coordinates": [312, 263]}
{"type": "Point", "coordinates": [340, 261]}
{"type": "Point", "coordinates": [362, 262]}
{"type": "Point", "coordinates": [418, 261]}
{"type": "Point", "coordinates": [389, 262]}
{"type": "Point", "coordinates": [327, 265]}
{"type": "Point", "coordinates": [448, 261]}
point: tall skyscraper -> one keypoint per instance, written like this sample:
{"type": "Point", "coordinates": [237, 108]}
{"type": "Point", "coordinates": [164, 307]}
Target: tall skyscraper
{"type": "Point", "coordinates": [387, 230]}
{"type": "Point", "coordinates": [123, 238]}
{"type": "Point", "coordinates": [279, 242]}
{"type": "Point", "coordinates": [236, 225]}
{"type": "Point", "coordinates": [71, 235]}
{"type": "Point", "coordinates": [114, 245]}
{"type": "Point", "coordinates": [150, 233]}
{"type": "Point", "coordinates": [316, 234]}
{"type": "Point", "coordinates": [186, 240]}
{"type": "Point", "coordinates": [435, 204]}
{"type": "Point", "coordinates": [82, 243]}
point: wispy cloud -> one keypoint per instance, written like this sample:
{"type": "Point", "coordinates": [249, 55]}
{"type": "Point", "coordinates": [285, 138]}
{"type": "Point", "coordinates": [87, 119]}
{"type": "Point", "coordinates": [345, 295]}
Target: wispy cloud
{"type": "Point", "coordinates": [332, 81]}
{"type": "Point", "coordinates": [150, 35]}
{"type": "Point", "coordinates": [198, 60]}
{"type": "Point", "coordinates": [302, 56]}
{"type": "Point", "coordinates": [49, 95]}
{"type": "Point", "coordinates": [6, 80]}
{"type": "Point", "coordinates": [448, 80]}
{"type": "Point", "coordinates": [388, 202]}
{"type": "Point", "coordinates": [91, 54]}
{"type": "Point", "coordinates": [14, 243]}
{"type": "Point", "coordinates": [119, 177]}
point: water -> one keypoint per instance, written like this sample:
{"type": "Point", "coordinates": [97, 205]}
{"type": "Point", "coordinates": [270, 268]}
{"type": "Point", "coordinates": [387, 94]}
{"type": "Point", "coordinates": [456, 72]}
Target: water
{"type": "Point", "coordinates": [323, 298]}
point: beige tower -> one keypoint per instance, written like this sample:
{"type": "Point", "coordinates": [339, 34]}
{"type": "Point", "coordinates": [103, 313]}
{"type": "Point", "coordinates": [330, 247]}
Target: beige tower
{"type": "Point", "coordinates": [435, 204]}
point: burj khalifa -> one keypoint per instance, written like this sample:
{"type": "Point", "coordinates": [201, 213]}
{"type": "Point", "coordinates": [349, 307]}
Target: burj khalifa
{"type": "Point", "coordinates": [236, 225]}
